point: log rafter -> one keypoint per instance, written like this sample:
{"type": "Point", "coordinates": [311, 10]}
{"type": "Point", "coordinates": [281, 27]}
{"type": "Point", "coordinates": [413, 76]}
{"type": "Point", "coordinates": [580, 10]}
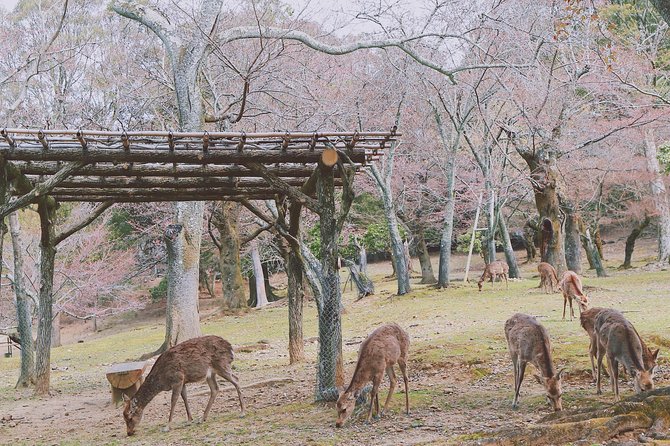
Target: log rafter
{"type": "Point", "coordinates": [184, 166]}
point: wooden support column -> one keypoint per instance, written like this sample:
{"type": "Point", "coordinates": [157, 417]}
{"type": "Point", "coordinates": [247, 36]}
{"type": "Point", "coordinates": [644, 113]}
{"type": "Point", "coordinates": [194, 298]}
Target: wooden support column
{"type": "Point", "coordinates": [47, 211]}
{"type": "Point", "coordinates": [296, 288]}
{"type": "Point", "coordinates": [4, 199]}
{"type": "Point", "coordinates": [330, 368]}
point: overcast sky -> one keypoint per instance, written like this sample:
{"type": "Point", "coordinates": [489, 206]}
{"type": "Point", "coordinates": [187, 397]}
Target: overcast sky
{"type": "Point", "coordinates": [8, 4]}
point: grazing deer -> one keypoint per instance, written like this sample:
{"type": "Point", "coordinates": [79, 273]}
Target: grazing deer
{"type": "Point", "coordinates": [548, 277]}
{"type": "Point", "coordinates": [571, 286]}
{"type": "Point", "coordinates": [528, 341]}
{"type": "Point", "coordinates": [384, 347]}
{"type": "Point", "coordinates": [493, 270]}
{"type": "Point", "coordinates": [617, 338]}
{"type": "Point", "coordinates": [191, 361]}
{"type": "Point", "coordinates": [588, 322]}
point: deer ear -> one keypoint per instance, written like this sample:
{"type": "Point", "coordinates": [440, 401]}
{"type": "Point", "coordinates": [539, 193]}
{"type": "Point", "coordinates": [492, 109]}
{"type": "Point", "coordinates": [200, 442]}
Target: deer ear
{"type": "Point", "coordinates": [538, 378]}
{"type": "Point", "coordinates": [125, 397]}
{"type": "Point", "coordinates": [655, 354]}
{"type": "Point", "coordinates": [559, 375]}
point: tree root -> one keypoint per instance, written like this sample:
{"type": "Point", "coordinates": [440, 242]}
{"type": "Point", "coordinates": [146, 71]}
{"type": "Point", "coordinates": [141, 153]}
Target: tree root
{"type": "Point", "coordinates": [649, 411]}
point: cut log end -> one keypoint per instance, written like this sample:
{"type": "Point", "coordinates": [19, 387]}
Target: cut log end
{"type": "Point", "coordinates": [329, 157]}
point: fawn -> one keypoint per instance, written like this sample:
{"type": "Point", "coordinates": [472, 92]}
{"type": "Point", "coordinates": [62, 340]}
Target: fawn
{"type": "Point", "coordinates": [588, 321]}
{"type": "Point", "coordinates": [548, 277]}
{"type": "Point", "coordinates": [571, 286]}
{"type": "Point", "coordinates": [617, 338]}
{"type": "Point", "coordinates": [492, 270]}
{"type": "Point", "coordinates": [528, 341]}
{"type": "Point", "coordinates": [384, 347]}
{"type": "Point", "coordinates": [191, 361]}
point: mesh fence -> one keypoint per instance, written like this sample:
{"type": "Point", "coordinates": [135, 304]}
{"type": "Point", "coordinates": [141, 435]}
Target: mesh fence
{"type": "Point", "coordinates": [328, 363]}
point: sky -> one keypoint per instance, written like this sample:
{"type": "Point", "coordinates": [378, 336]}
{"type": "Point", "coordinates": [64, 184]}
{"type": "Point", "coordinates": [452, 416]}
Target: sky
{"type": "Point", "coordinates": [8, 4]}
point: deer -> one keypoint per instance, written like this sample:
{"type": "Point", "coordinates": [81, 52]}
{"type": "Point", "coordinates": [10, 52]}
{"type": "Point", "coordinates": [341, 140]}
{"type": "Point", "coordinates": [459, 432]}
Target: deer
{"type": "Point", "coordinates": [548, 277]}
{"type": "Point", "coordinates": [191, 361]}
{"type": "Point", "coordinates": [588, 320]}
{"type": "Point", "coordinates": [493, 270]}
{"type": "Point", "coordinates": [528, 341]}
{"type": "Point", "coordinates": [571, 285]}
{"type": "Point", "coordinates": [383, 348]}
{"type": "Point", "coordinates": [617, 338]}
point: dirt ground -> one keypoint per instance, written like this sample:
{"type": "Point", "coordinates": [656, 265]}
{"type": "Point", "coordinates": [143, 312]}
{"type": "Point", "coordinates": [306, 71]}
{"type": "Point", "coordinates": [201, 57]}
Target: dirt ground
{"type": "Point", "coordinates": [460, 372]}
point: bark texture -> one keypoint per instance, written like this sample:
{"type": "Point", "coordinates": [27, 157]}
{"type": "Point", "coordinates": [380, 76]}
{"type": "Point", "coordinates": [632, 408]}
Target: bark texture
{"type": "Point", "coordinates": [259, 277]}
{"type": "Point", "coordinates": [510, 256]}
{"type": "Point", "coordinates": [232, 283]}
{"type": "Point", "coordinates": [23, 307]}
{"type": "Point", "coordinates": [427, 275]}
{"type": "Point", "coordinates": [632, 238]}
{"type": "Point", "coordinates": [296, 289]}
{"type": "Point", "coordinates": [573, 253]}
{"type": "Point", "coordinates": [660, 197]}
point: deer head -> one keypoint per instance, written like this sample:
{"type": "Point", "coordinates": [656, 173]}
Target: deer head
{"type": "Point", "coordinates": [345, 407]}
{"type": "Point", "coordinates": [643, 380]}
{"type": "Point", "coordinates": [132, 414]}
{"type": "Point", "coordinates": [552, 385]}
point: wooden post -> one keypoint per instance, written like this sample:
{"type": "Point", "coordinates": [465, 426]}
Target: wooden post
{"type": "Point", "coordinates": [125, 379]}
{"type": "Point", "coordinates": [472, 239]}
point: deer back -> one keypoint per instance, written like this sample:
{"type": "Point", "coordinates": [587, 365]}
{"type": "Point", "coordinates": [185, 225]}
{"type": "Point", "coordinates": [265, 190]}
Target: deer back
{"type": "Point", "coordinates": [529, 341]}
{"type": "Point", "coordinates": [620, 339]}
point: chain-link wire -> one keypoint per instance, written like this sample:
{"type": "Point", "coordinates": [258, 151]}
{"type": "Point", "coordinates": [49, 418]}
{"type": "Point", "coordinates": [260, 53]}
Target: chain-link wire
{"type": "Point", "coordinates": [329, 358]}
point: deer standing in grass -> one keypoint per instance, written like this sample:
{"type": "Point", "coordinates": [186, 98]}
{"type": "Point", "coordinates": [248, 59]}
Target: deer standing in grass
{"type": "Point", "coordinates": [571, 285]}
{"type": "Point", "coordinates": [385, 347]}
{"type": "Point", "coordinates": [191, 361]}
{"type": "Point", "coordinates": [617, 338]}
{"type": "Point", "coordinates": [548, 277]}
{"type": "Point", "coordinates": [493, 270]}
{"type": "Point", "coordinates": [588, 322]}
{"type": "Point", "coordinates": [528, 341]}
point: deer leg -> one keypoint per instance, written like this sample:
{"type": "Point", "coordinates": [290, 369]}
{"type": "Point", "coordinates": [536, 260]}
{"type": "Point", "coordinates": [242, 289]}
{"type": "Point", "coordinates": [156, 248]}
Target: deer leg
{"type": "Point", "coordinates": [403, 370]}
{"type": "Point", "coordinates": [565, 302]}
{"type": "Point", "coordinates": [592, 354]}
{"type": "Point", "coordinates": [376, 414]}
{"type": "Point", "coordinates": [229, 376]}
{"type": "Point", "coordinates": [517, 390]}
{"type": "Point", "coordinates": [516, 381]}
{"type": "Point", "coordinates": [600, 353]}
{"type": "Point", "coordinates": [176, 391]}
{"type": "Point", "coordinates": [213, 391]}
{"type": "Point", "coordinates": [373, 394]}
{"type": "Point", "coordinates": [393, 381]}
{"type": "Point", "coordinates": [506, 282]}
{"type": "Point", "coordinates": [183, 396]}
{"type": "Point", "coordinates": [614, 376]}
{"type": "Point", "coordinates": [572, 311]}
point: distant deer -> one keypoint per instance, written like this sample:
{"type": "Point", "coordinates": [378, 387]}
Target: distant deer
{"type": "Point", "coordinates": [588, 322]}
{"type": "Point", "coordinates": [548, 277]}
{"type": "Point", "coordinates": [571, 285]}
{"type": "Point", "coordinates": [617, 338]}
{"type": "Point", "coordinates": [191, 361]}
{"type": "Point", "coordinates": [493, 270]}
{"type": "Point", "coordinates": [528, 341]}
{"type": "Point", "coordinates": [384, 347]}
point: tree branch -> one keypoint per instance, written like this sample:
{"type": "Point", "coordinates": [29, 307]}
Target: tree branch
{"type": "Point", "coordinates": [95, 213]}
{"type": "Point", "coordinates": [293, 192]}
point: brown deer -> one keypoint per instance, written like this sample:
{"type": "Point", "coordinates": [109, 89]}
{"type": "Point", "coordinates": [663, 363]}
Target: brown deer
{"type": "Point", "coordinates": [191, 361]}
{"type": "Point", "coordinates": [528, 341]}
{"type": "Point", "coordinates": [571, 285]}
{"type": "Point", "coordinates": [617, 338]}
{"type": "Point", "coordinates": [548, 277]}
{"type": "Point", "coordinates": [588, 322]}
{"type": "Point", "coordinates": [493, 270]}
{"type": "Point", "coordinates": [384, 347]}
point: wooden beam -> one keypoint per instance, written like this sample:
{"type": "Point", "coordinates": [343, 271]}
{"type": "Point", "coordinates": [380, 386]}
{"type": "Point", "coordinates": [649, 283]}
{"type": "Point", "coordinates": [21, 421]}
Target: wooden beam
{"type": "Point", "coordinates": [280, 185]}
{"type": "Point", "coordinates": [96, 155]}
{"type": "Point", "coordinates": [164, 198]}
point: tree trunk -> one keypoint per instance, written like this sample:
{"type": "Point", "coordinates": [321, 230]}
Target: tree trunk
{"type": "Point", "coordinates": [330, 372]}
{"type": "Point", "coordinates": [362, 259]}
{"type": "Point", "coordinates": [296, 288]}
{"type": "Point", "coordinates": [529, 233]}
{"type": "Point", "coordinates": [427, 275]}
{"type": "Point", "coordinates": [232, 283]}
{"type": "Point", "coordinates": [632, 238]}
{"type": "Point", "coordinates": [573, 253]}
{"type": "Point", "coordinates": [23, 307]}
{"type": "Point", "coordinates": [55, 331]}
{"type": "Point", "coordinates": [660, 198]}
{"type": "Point", "coordinates": [598, 240]}
{"type": "Point", "coordinates": [592, 253]}
{"type": "Point", "coordinates": [510, 257]}
{"type": "Point", "coordinates": [544, 180]}
{"type": "Point", "coordinates": [47, 212]}
{"type": "Point", "coordinates": [490, 241]}
{"type": "Point", "coordinates": [183, 254]}
{"type": "Point", "coordinates": [400, 262]}
{"type": "Point", "coordinates": [259, 279]}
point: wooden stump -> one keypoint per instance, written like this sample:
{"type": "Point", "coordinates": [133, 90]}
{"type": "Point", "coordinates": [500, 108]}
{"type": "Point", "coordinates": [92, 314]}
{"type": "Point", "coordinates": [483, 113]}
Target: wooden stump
{"type": "Point", "coordinates": [126, 379]}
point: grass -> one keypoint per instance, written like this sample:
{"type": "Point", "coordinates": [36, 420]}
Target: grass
{"type": "Point", "coordinates": [460, 371]}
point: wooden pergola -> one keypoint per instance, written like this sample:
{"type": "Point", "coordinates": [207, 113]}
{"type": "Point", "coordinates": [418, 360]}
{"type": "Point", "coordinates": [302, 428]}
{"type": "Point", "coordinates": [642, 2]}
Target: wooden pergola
{"type": "Point", "coordinates": [76, 165]}
{"type": "Point", "coordinates": [49, 166]}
